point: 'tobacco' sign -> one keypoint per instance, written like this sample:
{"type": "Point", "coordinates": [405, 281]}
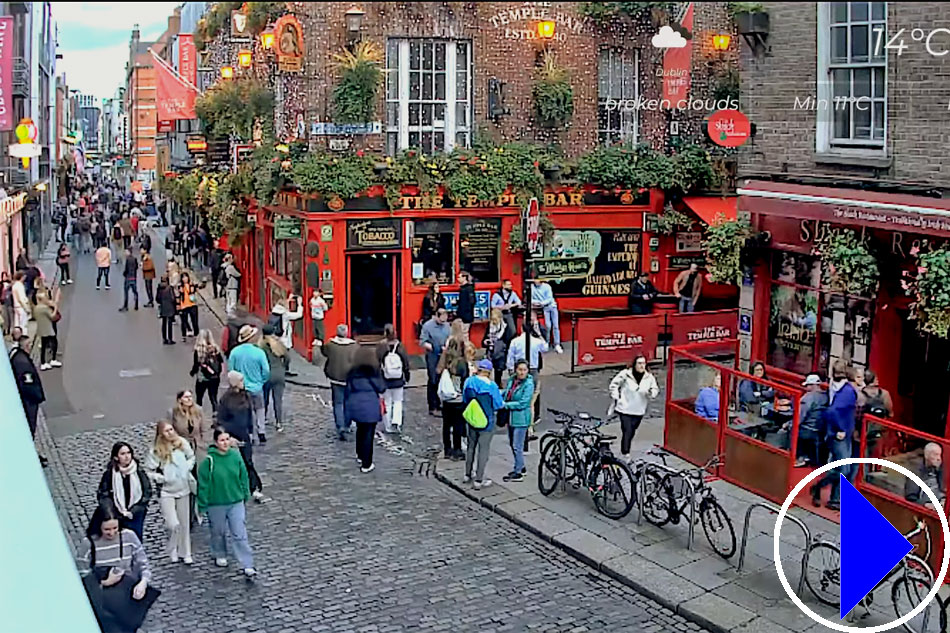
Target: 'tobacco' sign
{"type": "Point", "coordinates": [616, 340]}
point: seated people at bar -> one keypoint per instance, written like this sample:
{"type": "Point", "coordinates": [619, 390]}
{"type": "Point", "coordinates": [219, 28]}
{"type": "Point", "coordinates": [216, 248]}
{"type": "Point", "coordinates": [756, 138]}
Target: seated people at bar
{"type": "Point", "coordinates": [754, 397]}
{"type": "Point", "coordinates": [642, 295]}
{"type": "Point", "coordinates": [811, 408]}
{"type": "Point", "coordinates": [930, 470]}
{"type": "Point", "coordinates": [707, 401]}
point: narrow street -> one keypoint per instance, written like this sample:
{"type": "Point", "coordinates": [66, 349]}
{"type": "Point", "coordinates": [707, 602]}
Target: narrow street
{"type": "Point", "coordinates": [337, 550]}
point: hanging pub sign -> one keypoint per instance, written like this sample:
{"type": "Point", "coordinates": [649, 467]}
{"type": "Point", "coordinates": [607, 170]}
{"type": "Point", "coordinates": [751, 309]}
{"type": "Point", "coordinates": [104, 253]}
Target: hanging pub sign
{"type": "Point", "coordinates": [729, 128]}
{"type": "Point", "coordinates": [239, 25]}
{"type": "Point", "coordinates": [374, 234]}
{"type": "Point", "coordinates": [289, 35]}
{"type": "Point", "coordinates": [287, 227]}
{"type": "Point", "coordinates": [591, 263]}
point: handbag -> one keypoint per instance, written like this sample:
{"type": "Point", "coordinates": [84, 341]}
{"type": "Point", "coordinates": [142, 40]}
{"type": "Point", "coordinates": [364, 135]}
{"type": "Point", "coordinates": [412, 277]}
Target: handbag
{"type": "Point", "coordinates": [447, 390]}
{"type": "Point", "coordinates": [502, 417]}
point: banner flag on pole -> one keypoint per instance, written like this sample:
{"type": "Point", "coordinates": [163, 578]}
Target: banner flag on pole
{"type": "Point", "coordinates": [176, 96]}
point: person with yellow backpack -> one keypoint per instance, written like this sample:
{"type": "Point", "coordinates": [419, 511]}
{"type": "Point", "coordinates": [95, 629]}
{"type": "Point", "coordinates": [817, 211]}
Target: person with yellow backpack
{"type": "Point", "coordinates": [481, 398]}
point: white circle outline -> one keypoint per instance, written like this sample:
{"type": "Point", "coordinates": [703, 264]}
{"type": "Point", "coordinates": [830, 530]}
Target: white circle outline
{"type": "Point", "coordinates": [776, 541]}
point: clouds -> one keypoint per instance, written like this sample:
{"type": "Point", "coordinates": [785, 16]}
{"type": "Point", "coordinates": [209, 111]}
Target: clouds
{"type": "Point", "coordinates": [668, 38]}
{"type": "Point", "coordinates": [94, 40]}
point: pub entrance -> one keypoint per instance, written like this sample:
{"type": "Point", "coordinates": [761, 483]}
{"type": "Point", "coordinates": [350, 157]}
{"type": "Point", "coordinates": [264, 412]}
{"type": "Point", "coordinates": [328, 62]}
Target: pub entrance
{"type": "Point", "coordinates": [924, 375]}
{"type": "Point", "coordinates": [374, 278]}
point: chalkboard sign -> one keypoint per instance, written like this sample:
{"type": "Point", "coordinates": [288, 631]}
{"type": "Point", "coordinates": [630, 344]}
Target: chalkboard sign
{"type": "Point", "coordinates": [480, 242]}
{"type": "Point", "coordinates": [613, 257]}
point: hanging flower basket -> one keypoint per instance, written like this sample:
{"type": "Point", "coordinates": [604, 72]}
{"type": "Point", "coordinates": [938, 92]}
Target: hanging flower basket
{"type": "Point", "coordinates": [930, 288]}
{"type": "Point", "coordinates": [846, 263]}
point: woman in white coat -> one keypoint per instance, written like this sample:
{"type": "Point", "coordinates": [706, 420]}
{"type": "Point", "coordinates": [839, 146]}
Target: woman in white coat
{"type": "Point", "coordinates": [631, 390]}
{"type": "Point", "coordinates": [169, 463]}
{"type": "Point", "coordinates": [282, 320]}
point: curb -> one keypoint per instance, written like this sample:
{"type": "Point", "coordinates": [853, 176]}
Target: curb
{"type": "Point", "coordinates": [574, 553]}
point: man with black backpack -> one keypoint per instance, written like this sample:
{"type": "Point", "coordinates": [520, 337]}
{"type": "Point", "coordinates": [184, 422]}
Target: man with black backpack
{"type": "Point", "coordinates": [873, 398]}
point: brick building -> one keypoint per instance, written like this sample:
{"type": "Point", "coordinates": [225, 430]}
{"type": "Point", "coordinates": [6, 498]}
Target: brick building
{"type": "Point", "coordinates": [850, 133]}
{"type": "Point", "coordinates": [140, 95]}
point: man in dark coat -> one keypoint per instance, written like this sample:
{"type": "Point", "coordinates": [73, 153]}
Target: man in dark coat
{"type": "Point", "coordinates": [465, 309]}
{"type": "Point", "coordinates": [131, 276]}
{"type": "Point", "coordinates": [215, 265]}
{"type": "Point", "coordinates": [28, 384]}
{"type": "Point", "coordinates": [642, 295]}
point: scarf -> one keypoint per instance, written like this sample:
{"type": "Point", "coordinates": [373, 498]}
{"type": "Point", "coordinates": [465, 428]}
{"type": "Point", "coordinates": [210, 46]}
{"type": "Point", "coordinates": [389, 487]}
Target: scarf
{"type": "Point", "coordinates": [118, 488]}
{"type": "Point", "coordinates": [495, 332]}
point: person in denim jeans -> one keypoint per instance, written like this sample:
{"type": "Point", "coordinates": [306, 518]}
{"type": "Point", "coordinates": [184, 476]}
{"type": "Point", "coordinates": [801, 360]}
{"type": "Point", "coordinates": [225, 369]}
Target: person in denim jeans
{"type": "Point", "coordinates": [339, 352]}
{"type": "Point", "coordinates": [518, 395]}
{"type": "Point", "coordinates": [839, 421]}
{"type": "Point", "coordinates": [542, 297]}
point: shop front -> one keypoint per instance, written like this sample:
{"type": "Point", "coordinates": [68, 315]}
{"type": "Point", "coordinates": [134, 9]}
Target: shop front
{"type": "Point", "coordinates": [375, 265]}
{"type": "Point", "coordinates": [12, 230]}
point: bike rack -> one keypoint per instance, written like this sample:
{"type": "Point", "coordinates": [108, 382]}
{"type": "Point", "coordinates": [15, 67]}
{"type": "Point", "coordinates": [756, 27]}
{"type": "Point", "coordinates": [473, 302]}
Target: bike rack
{"type": "Point", "coordinates": [774, 509]}
{"type": "Point", "coordinates": [692, 496]}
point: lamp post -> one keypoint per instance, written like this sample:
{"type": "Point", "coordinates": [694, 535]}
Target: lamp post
{"type": "Point", "coordinates": [354, 21]}
{"type": "Point", "coordinates": [530, 231]}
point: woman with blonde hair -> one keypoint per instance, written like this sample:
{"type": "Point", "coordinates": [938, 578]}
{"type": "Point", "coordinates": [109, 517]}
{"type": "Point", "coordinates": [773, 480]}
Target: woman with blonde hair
{"type": "Point", "coordinates": [496, 342]}
{"type": "Point", "coordinates": [206, 368]}
{"type": "Point", "coordinates": [169, 464]}
{"type": "Point", "coordinates": [190, 423]}
{"type": "Point", "coordinates": [279, 362]}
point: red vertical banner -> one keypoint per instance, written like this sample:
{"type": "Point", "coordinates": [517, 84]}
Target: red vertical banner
{"type": "Point", "coordinates": [6, 73]}
{"type": "Point", "coordinates": [175, 99]}
{"type": "Point", "coordinates": [676, 67]}
{"type": "Point", "coordinates": [188, 58]}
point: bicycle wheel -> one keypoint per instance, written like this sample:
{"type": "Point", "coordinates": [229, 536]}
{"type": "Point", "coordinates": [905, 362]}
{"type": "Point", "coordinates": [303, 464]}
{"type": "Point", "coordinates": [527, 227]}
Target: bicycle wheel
{"type": "Point", "coordinates": [656, 498]}
{"type": "Point", "coordinates": [549, 470]}
{"type": "Point", "coordinates": [718, 527]}
{"type": "Point", "coordinates": [823, 575]}
{"type": "Point", "coordinates": [908, 591]}
{"type": "Point", "coordinates": [613, 489]}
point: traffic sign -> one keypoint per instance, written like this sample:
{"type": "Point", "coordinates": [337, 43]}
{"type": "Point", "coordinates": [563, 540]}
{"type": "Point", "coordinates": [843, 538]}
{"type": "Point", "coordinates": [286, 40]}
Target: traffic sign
{"type": "Point", "coordinates": [870, 547]}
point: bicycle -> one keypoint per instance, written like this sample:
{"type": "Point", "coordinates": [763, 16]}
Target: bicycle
{"type": "Point", "coordinates": [581, 455]}
{"type": "Point", "coordinates": [912, 577]}
{"type": "Point", "coordinates": [670, 495]}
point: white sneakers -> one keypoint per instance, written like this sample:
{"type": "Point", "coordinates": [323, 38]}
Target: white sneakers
{"type": "Point", "coordinates": [249, 572]}
{"type": "Point", "coordinates": [188, 560]}
{"type": "Point", "coordinates": [258, 496]}
{"type": "Point", "coordinates": [558, 349]}
{"type": "Point", "coordinates": [45, 366]}
{"type": "Point", "coordinates": [221, 562]}
{"type": "Point", "coordinates": [371, 468]}
{"type": "Point", "coordinates": [466, 479]}
{"type": "Point", "coordinates": [478, 485]}
{"type": "Point", "coordinates": [55, 363]}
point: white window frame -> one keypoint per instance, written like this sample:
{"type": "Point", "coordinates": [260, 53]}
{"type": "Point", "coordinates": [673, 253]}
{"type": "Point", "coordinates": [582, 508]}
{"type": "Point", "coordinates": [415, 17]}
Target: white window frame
{"type": "Point", "coordinates": [825, 142]}
{"type": "Point", "coordinates": [402, 68]}
{"type": "Point", "coordinates": [634, 112]}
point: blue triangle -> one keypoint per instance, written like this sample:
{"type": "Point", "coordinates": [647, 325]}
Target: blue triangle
{"type": "Point", "coordinates": [870, 547]}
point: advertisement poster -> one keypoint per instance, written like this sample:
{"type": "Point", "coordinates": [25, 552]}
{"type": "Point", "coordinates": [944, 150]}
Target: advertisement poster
{"type": "Point", "coordinates": [702, 327]}
{"type": "Point", "coordinates": [591, 263]}
{"type": "Point", "coordinates": [616, 340]}
{"type": "Point", "coordinates": [676, 67]}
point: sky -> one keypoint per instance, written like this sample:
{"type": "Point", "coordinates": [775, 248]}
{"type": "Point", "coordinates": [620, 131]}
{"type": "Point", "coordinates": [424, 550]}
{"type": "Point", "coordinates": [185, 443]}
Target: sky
{"type": "Point", "coordinates": [94, 40]}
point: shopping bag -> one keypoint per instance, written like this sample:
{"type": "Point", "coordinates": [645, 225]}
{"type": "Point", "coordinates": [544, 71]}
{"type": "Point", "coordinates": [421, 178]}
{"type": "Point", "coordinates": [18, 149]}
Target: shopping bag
{"type": "Point", "coordinates": [447, 390]}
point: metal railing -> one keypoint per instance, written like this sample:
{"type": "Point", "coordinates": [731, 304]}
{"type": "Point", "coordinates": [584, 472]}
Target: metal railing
{"type": "Point", "coordinates": [21, 77]}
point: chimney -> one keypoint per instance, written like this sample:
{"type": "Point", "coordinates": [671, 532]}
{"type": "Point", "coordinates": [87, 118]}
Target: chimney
{"type": "Point", "coordinates": [135, 34]}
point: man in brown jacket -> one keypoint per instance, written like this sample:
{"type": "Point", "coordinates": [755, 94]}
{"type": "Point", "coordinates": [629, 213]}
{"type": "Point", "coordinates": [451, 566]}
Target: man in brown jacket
{"type": "Point", "coordinates": [339, 352]}
{"type": "Point", "coordinates": [148, 274]}
{"type": "Point", "coordinates": [687, 287]}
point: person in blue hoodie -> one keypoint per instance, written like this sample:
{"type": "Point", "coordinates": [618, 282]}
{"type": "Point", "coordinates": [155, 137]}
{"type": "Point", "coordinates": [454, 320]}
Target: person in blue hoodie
{"type": "Point", "coordinates": [707, 401]}
{"type": "Point", "coordinates": [362, 404]}
{"type": "Point", "coordinates": [482, 389]}
{"type": "Point", "coordinates": [839, 420]}
{"type": "Point", "coordinates": [250, 360]}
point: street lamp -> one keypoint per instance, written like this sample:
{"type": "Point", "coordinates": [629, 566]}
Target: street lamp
{"type": "Point", "coordinates": [721, 41]}
{"type": "Point", "coordinates": [244, 59]}
{"type": "Point", "coordinates": [546, 30]}
{"type": "Point", "coordinates": [354, 20]}
{"type": "Point", "coordinates": [227, 72]}
{"type": "Point", "coordinates": [267, 39]}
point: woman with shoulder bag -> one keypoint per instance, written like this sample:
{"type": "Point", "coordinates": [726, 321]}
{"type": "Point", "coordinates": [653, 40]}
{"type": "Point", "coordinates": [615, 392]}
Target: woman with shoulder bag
{"type": "Point", "coordinates": [127, 487]}
{"type": "Point", "coordinates": [630, 390]}
{"type": "Point", "coordinates": [188, 305]}
{"type": "Point", "coordinates": [169, 464]}
{"type": "Point", "coordinates": [118, 575]}
{"type": "Point", "coordinates": [206, 368]}
{"type": "Point", "coordinates": [496, 343]}
{"type": "Point", "coordinates": [394, 364]}
{"type": "Point", "coordinates": [453, 369]}
{"type": "Point", "coordinates": [518, 395]}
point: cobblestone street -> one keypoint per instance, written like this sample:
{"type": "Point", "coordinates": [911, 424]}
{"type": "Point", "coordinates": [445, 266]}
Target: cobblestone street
{"type": "Point", "coordinates": [342, 551]}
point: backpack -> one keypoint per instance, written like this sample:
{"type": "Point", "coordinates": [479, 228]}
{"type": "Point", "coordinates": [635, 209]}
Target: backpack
{"type": "Point", "coordinates": [276, 322]}
{"type": "Point", "coordinates": [117, 233]}
{"type": "Point", "coordinates": [875, 404]}
{"type": "Point", "coordinates": [392, 364]}
{"type": "Point", "coordinates": [474, 415]}
{"type": "Point", "coordinates": [211, 368]}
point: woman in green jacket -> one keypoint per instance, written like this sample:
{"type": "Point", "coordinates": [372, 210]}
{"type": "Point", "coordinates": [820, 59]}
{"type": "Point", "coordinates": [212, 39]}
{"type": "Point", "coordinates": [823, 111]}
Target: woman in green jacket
{"type": "Point", "coordinates": [222, 492]}
{"type": "Point", "coordinates": [518, 396]}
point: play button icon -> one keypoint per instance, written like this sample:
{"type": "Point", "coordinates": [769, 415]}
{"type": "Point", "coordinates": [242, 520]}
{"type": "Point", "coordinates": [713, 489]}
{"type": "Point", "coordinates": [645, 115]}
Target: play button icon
{"type": "Point", "coordinates": [870, 547]}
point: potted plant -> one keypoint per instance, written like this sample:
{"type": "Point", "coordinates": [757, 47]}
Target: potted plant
{"type": "Point", "coordinates": [750, 18]}
{"type": "Point", "coordinates": [361, 75]}
{"type": "Point", "coordinates": [930, 288]}
{"type": "Point", "coordinates": [723, 245]}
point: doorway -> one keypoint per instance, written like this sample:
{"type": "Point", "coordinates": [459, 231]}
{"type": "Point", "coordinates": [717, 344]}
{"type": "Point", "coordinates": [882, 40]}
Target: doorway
{"type": "Point", "coordinates": [924, 375]}
{"type": "Point", "coordinates": [373, 279]}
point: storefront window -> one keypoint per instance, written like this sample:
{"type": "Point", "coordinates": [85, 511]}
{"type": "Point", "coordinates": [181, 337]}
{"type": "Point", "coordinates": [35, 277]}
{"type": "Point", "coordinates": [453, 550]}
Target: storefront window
{"type": "Point", "coordinates": [793, 321]}
{"type": "Point", "coordinates": [294, 263]}
{"type": "Point", "coordinates": [794, 268]}
{"type": "Point", "coordinates": [845, 331]}
{"type": "Point", "coordinates": [433, 251]}
{"type": "Point", "coordinates": [281, 258]}
{"type": "Point", "coordinates": [479, 245]}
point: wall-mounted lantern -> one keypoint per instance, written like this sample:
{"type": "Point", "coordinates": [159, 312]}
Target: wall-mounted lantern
{"type": "Point", "coordinates": [546, 30]}
{"type": "Point", "coordinates": [721, 41]}
{"type": "Point", "coordinates": [244, 59]}
{"type": "Point", "coordinates": [267, 39]}
{"type": "Point", "coordinates": [354, 22]}
{"type": "Point", "coordinates": [227, 72]}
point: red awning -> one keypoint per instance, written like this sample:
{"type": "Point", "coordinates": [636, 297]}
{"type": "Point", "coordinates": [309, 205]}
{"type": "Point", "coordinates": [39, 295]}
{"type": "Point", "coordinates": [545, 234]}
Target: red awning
{"type": "Point", "coordinates": [709, 208]}
{"type": "Point", "coordinates": [889, 211]}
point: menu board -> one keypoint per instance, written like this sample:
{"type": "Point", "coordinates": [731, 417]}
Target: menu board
{"type": "Point", "coordinates": [613, 258]}
{"type": "Point", "coordinates": [480, 241]}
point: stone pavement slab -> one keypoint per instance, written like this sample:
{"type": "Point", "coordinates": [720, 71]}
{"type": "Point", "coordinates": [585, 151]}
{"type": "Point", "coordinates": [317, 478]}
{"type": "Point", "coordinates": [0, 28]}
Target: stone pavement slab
{"type": "Point", "coordinates": [716, 611]}
{"type": "Point", "coordinates": [588, 547]}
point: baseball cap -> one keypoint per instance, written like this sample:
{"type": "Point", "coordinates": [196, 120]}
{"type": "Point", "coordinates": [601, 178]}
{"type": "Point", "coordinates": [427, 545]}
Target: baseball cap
{"type": "Point", "coordinates": [811, 379]}
{"type": "Point", "coordinates": [485, 365]}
